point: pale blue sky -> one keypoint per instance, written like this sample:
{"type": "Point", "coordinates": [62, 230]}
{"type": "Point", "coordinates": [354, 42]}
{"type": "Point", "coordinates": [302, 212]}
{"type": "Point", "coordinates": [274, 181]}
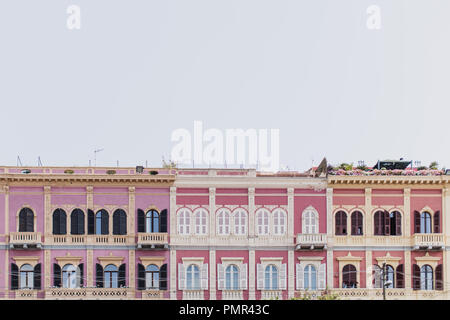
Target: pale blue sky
{"type": "Point", "coordinates": [137, 70]}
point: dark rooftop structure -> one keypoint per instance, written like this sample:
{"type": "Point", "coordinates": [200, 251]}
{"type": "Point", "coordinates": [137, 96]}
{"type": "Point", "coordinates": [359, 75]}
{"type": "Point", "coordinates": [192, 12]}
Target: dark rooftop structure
{"type": "Point", "coordinates": [392, 164]}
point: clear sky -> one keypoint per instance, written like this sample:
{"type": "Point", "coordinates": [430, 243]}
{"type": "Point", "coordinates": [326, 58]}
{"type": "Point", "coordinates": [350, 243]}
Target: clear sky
{"type": "Point", "coordinates": [137, 70]}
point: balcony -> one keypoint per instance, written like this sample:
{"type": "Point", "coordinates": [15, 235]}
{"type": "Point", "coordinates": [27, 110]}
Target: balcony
{"type": "Point", "coordinates": [155, 240]}
{"type": "Point", "coordinates": [193, 295]}
{"type": "Point", "coordinates": [391, 294]}
{"type": "Point", "coordinates": [25, 294]}
{"type": "Point", "coordinates": [25, 240]}
{"type": "Point", "coordinates": [71, 239]}
{"type": "Point", "coordinates": [232, 295]}
{"type": "Point", "coordinates": [89, 293]}
{"type": "Point", "coordinates": [311, 241]}
{"type": "Point", "coordinates": [428, 241]}
{"type": "Point", "coordinates": [152, 294]}
{"type": "Point", "coordinates": [271, 295]}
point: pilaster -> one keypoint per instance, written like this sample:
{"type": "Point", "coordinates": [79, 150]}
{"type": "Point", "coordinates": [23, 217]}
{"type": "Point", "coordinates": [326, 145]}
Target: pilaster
{"type": "Point", "coordinates": [291, 216]}
{"type": "Point", "coordinates": [47, 269]}
{"type": "Point", "coordinates": [173, 213]}
{"type": "Point", "coordinates": [407, 214]}
{"type": "Point", "coordinates": [251, 275]}
{"type": "Point", "coordinates": [90, 268]}
{"type": "Point", "coordinates": [47, 211]}
{"type": "Point", "coordinates": [212, 275]}
{"type": "Point", "coordinates": [212, 215]}
{"type": "Point", "coordinates": [330, 282]}
{"type": "Point", "coordinates": [367, 221]}
{"type": "Point", "coordinates": [131, 210]}
{"type": "Point", "coordinates": [291, 274]}
{"type": "Point", "coordinates": [251, 212]}
{"type": "Point", "coordinates": [368, 269]}
{"type": "Point", "coordinates": [173, 273]}
{"type": "Point", "coordinates": [408, 269]}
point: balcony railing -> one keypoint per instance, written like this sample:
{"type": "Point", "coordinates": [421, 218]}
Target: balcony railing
{"type": "Point", "coordinates": [232, 295]}
{"type": "Point", "coordinates": [391, 294]}
{"type": "Point", "coordinates": [428, 240]}
{"type": "Point", "coordinates": [150, 239]}
{"type": "Point", "coordinates": [153, 294]}
{"type": "Point", "coordinates": [89, 293]}
{"type": "Point", "coordinates": [193, 295]}
{"type": "Point", "coordinates": [25, 238]}
{"type": "Point", "coordinates": [271, 295]}
{"type": "Point", "coordinates": [90, 239]}
{"type": "Point", "coordinates": [316, 240]}
{"type": "Point", "coordinates": [24, 294]}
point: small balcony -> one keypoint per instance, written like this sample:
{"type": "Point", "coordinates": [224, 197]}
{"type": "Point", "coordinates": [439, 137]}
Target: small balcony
{"type": "Point", "coordinates": [428, 241]}
{"type": "Point", "coordinates": [25, 240]}
{"type": "Point", "coordinates": [193, 295]}
{"type": "Point", "coordinates": [89, 294]}
{"type": "Point", "coordinates": [232, 295]}
{"type": "Point", "coordinates": [271, 295]}
{"type": "Point", "coordinates": [156, 240]}
{"type": "Point", "coordinates": [91, 239]}
{"type": "Point", "coordinates": [152, 294]}
{"type": "Point", "coordinates": [311, 241]}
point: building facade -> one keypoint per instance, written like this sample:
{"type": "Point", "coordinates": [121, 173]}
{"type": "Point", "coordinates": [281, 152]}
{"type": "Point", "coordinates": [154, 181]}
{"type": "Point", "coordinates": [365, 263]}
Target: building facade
{"type": "Point", "coordinates": [124, 233]}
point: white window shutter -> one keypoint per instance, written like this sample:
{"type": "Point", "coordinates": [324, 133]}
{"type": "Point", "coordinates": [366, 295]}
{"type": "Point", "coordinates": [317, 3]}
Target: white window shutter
{"type": "Point", "coordinates": [181, 277]}
{"type": "Point", "coordinates": [259, 277]}
{"type": "Point", "coordinates": [204, 277]}
{"type": "Point", "coordinates": [283, 277]}
{"type": "Point", "coordinates": [322, 276]}
{"type": "Point", "coordinates": [220, 277]}
{"type": "Point", "coordinates": [243, 277]}
{"type": "Point", "coordinates": [299, 276]}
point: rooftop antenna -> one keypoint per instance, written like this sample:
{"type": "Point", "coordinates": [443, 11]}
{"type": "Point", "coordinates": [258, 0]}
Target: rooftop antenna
{"type": "Point", "coordinates": [117, 163]}
{"type": "Point", "coordinates": [39, 162]}
{"type": "Point", "coordinates": [89, 162]}
{"type": "Point", "coordinates": [19, 163]}
{"type": "Point", "coordinates": [146, 164]}
{"type": "Point", "coordinates": [95, 156]}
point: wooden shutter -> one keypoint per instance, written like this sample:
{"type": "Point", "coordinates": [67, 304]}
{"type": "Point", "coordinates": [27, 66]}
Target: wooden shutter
{"type": "Point", "coordinates": [62, 222]}
{"type": "Point", "coordinates": [416, 277]}
{"type": "Point", "coordinates": [220, 277]}
{"type": "Point", "coordinates": [344, 230]}
{"type": "Point", "coordinates": [163, 277]}
{"type": "Point", "coordinates": [56, 222]}
{"type": "Point", "coordinates": [181, 277]}
{"type": "Point", "coordinates": [416, 222]}
{"type": "Point", "coordinates": [37, 277]}
{"type": "Point", "coordinates": [387, 224]}
{"type": "Point", "coordinates": [437, 222]}
{"type": "Point", "coordinates": [354, 222]}
{"type": "Point", "coordinates": [123, 223]}
{"type": "Point", "coordinates": [163, 221]}
{"type": "Point", "coordinates": [377, 222]}
{"type": "Point", "coordinates": [400, 276]}
{"type": "Point", "coordinates": [338, 223]}
{"type": "Point", "coordinates": [91, 222]}
{"type": "Point", "coordinates": [14, 277]}
{"type": "Point", "coordinates": [243, 276]}
{"type": "Point", "coordinates": [80, 220]}
{"type": "Point", "coordinates": [30, 221]}
{"type": "Point", "coordinates": [141, 277]}
{"type": "Point", "coordinates": [438, 274]}
{"type": "Point", "coordinates": [56, 275]}
{"type": "Point", "coordinates": [322, 277]}
{"type": "Point", "coordinates": [141, 220]}
{"type": "Point", "coordinates": [259, 277]}
{"type": "Point", "coordinates": [283, 276]}
{"type": "Point", "coordinates": [99, 275]}
{"type": "Point", "coordinates": [74, 222]}
{"type": "Point", "coordinates": [81, 274]}
{"type": "Point", "coordinates": [204, 277]}
{"type": "Point", "coordinates": [22, 220]}
{"type": "Point", "coordinates": [299, 276]}
{"type": "Point", "coordinates": [105, 222]}
{"type": "Point", "coordinates": [398, 224]}
{"type": "Point", "coordinates": [116, 222]}
{"type": "Point", "coordinates": [122, 275]}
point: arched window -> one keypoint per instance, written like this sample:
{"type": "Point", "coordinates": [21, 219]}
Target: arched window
{"type": "Point", "coordinates": [59, 221]}
{"type": "Point", "coordinates": [223, 222]}
{"type": "Point", "coordinates": [111, 276]}
{"type": "Point", "coordinates": [310, 277]}
{"type": "Point", "coordinates": [193, 277]}
{"type": "Point", "coordinates": [377, 274]}
{"type": "Point", "coordinates": [279, 222]}
{"type": "Point", "coordinates": [310, 221]}
{"type": "Point", "coordinates": [232, 277]}
{"type": "Point", "coordinates": [390, 276]}
{"type": "Point", "coordinates": [379, 223]}
{"type": "Point", "coordinates": [101, 222]}
{"type": "Point", "coordinates": [349, 276]}
{"type": "Point", "coordinates": [119, 222]}
{"type": "Point", "coordinates": [357, 223]}
{"type": "Point", "coordinates": [77, 222]}
{"type": "Point", "coordinates": [70, 276]}
{"type": "Point", "coordinates": [240, 222]}
{"type": "Point", "coordinates": [262, 222]}
{"type": "Point", "coordinates": [425, 222]}
{"type": "Point", "coordinates": [184, 221]}
{"type": "Point", "coordinates": [426, 277]}
{"type": "Point", "coordinates": [152, 277]}
{"type": "Point", "coordinates": [26, 277]}
{"type": "Point", "coordinates": [395, 223]}
{"type": "Point", "coordinates": [200, 216]}
{"type": "Point", "coordinates": [386, 223]}
{"type": "Point", "coordinates": [271, 277]}
{"type": "Point", "coordinates": [341, 223]}
{"type": "Point", "coordinates": [26, 220]}
{"type": "Point", "coordinates": [152, 221]}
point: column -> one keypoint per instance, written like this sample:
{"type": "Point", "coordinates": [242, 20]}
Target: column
{"type": "Point", "coordinates": [291, 274]}
{"type": "Point", "coordinates": [446, 232]}
{"type": "Point", "coordinates": [90, 268]}
{"type": "Point", "coordinates": [251, 213]}
{"type": "Point", "coordinates": [368, 267]}
{"type": "Point", "coordinates": [212, 275]}
{"type": "Point", "coordinates": [131, 210]}
{"type": "Point", "coordinates": [173, 274]}
{"type": "Point", "coordinates": [407, 214]}
{"type": "Point", "coordinates": [251, 275]}
{"type": "Point", "coordinates": [408, 269]}
{"type": "Point", "coordinates": [173, 212]}
{"type": "Point", "coordinates": [47, 212]}
{"type": "Point", "coordinates": [131, 269]}
{"type": "Point", "coordinates": [368, 229]}
{"type": "Point", "coordinates": [212, 216]}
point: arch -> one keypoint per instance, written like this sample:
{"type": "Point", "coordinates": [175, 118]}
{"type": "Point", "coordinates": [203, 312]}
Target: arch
{"type": "Point", "coordinates": [193, 277]}
{"type": "Point", "coordinates": [70, 276]}
{"type": "Point", "coordinates": [223, 221]}
{"type": "Point", "coordinates": [77, 221]}
{"type": "Point", "coordinates": [119, 222]}
{"type": "Point", "coordinates": [357, 220]}
{"type": "Point", "coordinates": [152, 221]}
{"type": "Point", "coordinates": [152, 277]}
{"type": "Point", "coordinates": [425, 222]}
{"type": "Point", "coordinates": [59, 221]}
{"type": "Point", "coordinates": [262, 221]}
{"type": "Point", "coordinates": [310, 277]}
{"type": "Point", "coordinates": [349, 276]}
{"type": "Point", "coordinates": [26, 220]}
{"type": "Point", "coordinates": [102, 222]}
{"type": "Point", "coordinates": [26, 276]}
{"type": "Point", "coordinates": [310, 221]}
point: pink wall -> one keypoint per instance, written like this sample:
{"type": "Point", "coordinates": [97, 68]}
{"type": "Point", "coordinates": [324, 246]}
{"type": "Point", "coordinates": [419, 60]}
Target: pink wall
{"type": "Point", "coordinates": [362, 267]}
{"type": "Point", "coordinates": [269, 254]}
{"type": "Point", "coordinates": [33, 197]}
{"type": "Point", "coordinates": [191, 254]}
{"type": "Point", "coordinates": [231, 253]}
{"type": "Point", "coordinates": [301, 203]}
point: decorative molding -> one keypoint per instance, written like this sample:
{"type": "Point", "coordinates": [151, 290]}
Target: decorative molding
{"type": "Point", "coordinates": [427, 259]}
{"type": "Point", "coordinates": [31, 260]}
{"type": "Point", "coordinates": [157, 261]}
{"type": "Point", "coordinates": [115, 260]}
{"type": "Point", "coordinates": [68, 259]}
{"type": "Point", "coordinates": [388, 259]}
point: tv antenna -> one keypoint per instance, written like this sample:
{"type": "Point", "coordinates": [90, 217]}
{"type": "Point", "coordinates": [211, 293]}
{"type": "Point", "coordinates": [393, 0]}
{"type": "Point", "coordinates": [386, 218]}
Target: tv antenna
{"type": "Point", "coordinates": [19, 163]}
{"type": "Point", "coordinates": [39, 162]}
{"type": "Point", "coordinates": [95, 156]}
